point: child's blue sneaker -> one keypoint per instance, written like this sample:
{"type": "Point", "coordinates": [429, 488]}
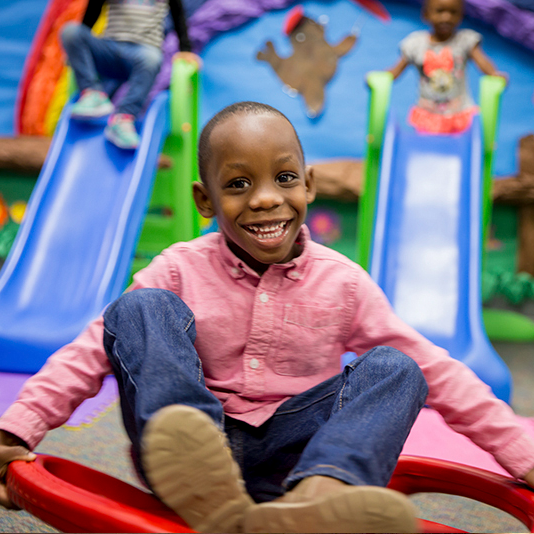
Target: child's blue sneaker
{"type": "Point", "coordinates": [92, 104]}
{"type": "Point", "coordinates": [121, 131]}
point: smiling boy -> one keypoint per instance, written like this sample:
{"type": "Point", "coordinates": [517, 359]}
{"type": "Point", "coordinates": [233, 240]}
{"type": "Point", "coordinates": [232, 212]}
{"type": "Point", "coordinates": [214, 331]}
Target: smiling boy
{"type": "Point", "coordinates": [226, 352]}
{"type": "Point", "coordinates": [258, 186]}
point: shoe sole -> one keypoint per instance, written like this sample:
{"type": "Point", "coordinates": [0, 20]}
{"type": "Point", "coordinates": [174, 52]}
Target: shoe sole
{"type": "Point", "coordinates": [192, 471]}
{"type": "Point", "coordinates": [356, 509]}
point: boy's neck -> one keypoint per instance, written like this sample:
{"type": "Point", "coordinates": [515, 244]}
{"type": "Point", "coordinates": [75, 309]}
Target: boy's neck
{"type": "Point", "coordinates": [256, 266]}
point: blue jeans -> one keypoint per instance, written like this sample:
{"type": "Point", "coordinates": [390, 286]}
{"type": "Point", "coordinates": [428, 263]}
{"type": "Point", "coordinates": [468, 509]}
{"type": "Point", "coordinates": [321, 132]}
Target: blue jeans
{"type": "Point", "coordinates": [104, 64]}
{"type": "Point", "coordinates": [351, 427]}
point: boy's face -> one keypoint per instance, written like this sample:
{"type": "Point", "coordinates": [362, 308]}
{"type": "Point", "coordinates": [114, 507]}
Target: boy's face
{"type": "Point", "coordinates": [444, 16]}
{"type": "Point", "coordinates": [257, 187]}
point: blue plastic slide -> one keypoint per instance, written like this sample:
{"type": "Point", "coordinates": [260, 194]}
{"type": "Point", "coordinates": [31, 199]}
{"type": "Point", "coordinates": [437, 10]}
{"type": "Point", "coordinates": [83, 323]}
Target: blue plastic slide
{"type": "Point", "coordinates": [73, 251]}
{"type": "Point", "coordinates": [426, 250]}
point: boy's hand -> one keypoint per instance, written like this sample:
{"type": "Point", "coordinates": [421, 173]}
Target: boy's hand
{"type": "Point", "coordinates": [190, 57]}
{"type": "Point", "coordinates": [11, 448]}
{"type": "Point", "coordinates": [529, 478]}
{"type": "Point", "coordinates": [503, 75]}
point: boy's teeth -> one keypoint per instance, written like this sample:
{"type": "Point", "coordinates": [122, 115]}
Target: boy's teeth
{"type": "Point", "coordinates": [268, 231]}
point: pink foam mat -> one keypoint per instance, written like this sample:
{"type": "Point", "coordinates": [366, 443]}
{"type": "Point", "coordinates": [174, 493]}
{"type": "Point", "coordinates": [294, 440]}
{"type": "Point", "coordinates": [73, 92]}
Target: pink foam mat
{"type": "Point", "coordinates": [431, 437]}
{"type": "Point", "coordinates": [88, 412]}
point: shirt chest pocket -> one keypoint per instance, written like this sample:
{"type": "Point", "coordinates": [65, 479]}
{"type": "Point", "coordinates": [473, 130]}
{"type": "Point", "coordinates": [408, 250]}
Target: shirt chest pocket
{"type": "Point", "coordinates": [307, 338]}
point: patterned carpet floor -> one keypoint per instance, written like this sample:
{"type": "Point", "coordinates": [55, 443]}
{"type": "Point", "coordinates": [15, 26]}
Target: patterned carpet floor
{"type": "Point", "coordinates": [104, 446]}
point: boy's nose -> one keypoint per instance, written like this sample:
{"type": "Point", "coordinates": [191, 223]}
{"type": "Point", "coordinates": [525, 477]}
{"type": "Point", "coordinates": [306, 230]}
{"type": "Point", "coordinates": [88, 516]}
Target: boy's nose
{"type": "Point", "coordinates": [265, 198]}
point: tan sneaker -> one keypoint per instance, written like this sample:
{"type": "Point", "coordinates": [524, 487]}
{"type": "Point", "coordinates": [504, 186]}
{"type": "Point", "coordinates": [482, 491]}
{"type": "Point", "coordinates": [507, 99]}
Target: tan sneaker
{"type": "Point", "coordinates": [190, 467]}
{"type": "Point", "coordinates": [324, 504]}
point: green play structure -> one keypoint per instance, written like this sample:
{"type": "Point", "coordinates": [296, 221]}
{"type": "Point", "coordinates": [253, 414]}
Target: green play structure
{"type": "Point", "coordinates": [172, 215]}
{"type": "Point", "coordinates": [380, 89]}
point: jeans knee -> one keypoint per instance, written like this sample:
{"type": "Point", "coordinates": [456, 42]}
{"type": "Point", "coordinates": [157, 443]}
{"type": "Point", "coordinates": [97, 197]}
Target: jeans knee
{"type": "Point", "coordinates": [150, 304]}
{"type": "Point", "coordinates": [114, 311]}
{"type": "Point", "coordinates": [150, 59]}
{"type": "Point", "coordinates": [393, 361]}
{"type": "Point", "coordinates": [411, 372]}
{"type": "Point", "coordinates": [140, 299]}
{"type": "Point", "coordinates": [71, 33]}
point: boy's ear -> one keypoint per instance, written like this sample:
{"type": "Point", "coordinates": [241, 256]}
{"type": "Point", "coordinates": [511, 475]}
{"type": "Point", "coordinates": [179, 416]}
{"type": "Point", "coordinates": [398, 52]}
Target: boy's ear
{"type": "Point", "coordinates": [202, 200]}
{"type": "Point", "coordinates": [310, 184]}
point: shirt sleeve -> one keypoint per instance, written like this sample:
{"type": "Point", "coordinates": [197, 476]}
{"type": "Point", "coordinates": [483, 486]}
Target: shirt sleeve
{"type": "Point", "coordinates": [180, 24]}
{"type": "Point", "coordinates": [465, 402]}
{"type": "Point", "coordinates": [469, 39]}
{"type": "Point", "coordinates": [410, 46]}
{"type": "Point", "coordinates": [76, 371]}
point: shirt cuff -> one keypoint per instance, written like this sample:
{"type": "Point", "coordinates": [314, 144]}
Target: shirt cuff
{"type": "Point", "coordinates": [517, 457]}
{"type": "Point", "coordinates": [24, 424]}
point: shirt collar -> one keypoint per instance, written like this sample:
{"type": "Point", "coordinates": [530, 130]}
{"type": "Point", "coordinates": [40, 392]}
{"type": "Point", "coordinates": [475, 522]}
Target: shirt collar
{"type": "Point", "coordinates": [293, 270]}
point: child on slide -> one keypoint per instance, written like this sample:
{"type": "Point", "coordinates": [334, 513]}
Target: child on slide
{"type": "Point", "coordinates": [440, 56]}
{"type": "Point", "coordinates": [129, 50]}
{"type": "Point", "coordinates": [226, 350]}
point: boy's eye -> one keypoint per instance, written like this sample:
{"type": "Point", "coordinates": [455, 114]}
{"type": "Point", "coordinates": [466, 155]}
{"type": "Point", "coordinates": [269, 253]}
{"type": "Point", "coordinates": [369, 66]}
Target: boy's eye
{"type": "Point", "coordinates": [239, 183]}
{"type": "Point", "coordinates": [286, 178]}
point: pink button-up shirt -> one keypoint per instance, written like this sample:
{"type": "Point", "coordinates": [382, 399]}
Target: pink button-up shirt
{"type": "Point", "coordinates": [264, 339]}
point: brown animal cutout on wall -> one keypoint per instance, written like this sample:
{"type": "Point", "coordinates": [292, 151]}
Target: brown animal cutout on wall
{"type": "Point", "coordinates": [313, 62]}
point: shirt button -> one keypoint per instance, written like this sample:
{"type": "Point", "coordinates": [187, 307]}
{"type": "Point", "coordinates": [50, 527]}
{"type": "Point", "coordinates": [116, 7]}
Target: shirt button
{"type": "Point", "coordinates": [254, 363]}
{"type": "Point", "coordinates": [235, 271]}
{"type": "Point", "coordinates": [294, 275]}
{"type": "Point", "coordinates": [264, 297]}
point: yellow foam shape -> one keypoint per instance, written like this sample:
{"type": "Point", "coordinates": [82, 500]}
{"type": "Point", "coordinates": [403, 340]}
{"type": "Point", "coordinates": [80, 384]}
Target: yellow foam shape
{"type": "Point", "coordinates": [17, 210]}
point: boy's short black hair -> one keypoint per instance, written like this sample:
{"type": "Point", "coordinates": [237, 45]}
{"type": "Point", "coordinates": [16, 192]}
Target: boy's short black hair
{"type": "Point", "coordinates": [247, 107]}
